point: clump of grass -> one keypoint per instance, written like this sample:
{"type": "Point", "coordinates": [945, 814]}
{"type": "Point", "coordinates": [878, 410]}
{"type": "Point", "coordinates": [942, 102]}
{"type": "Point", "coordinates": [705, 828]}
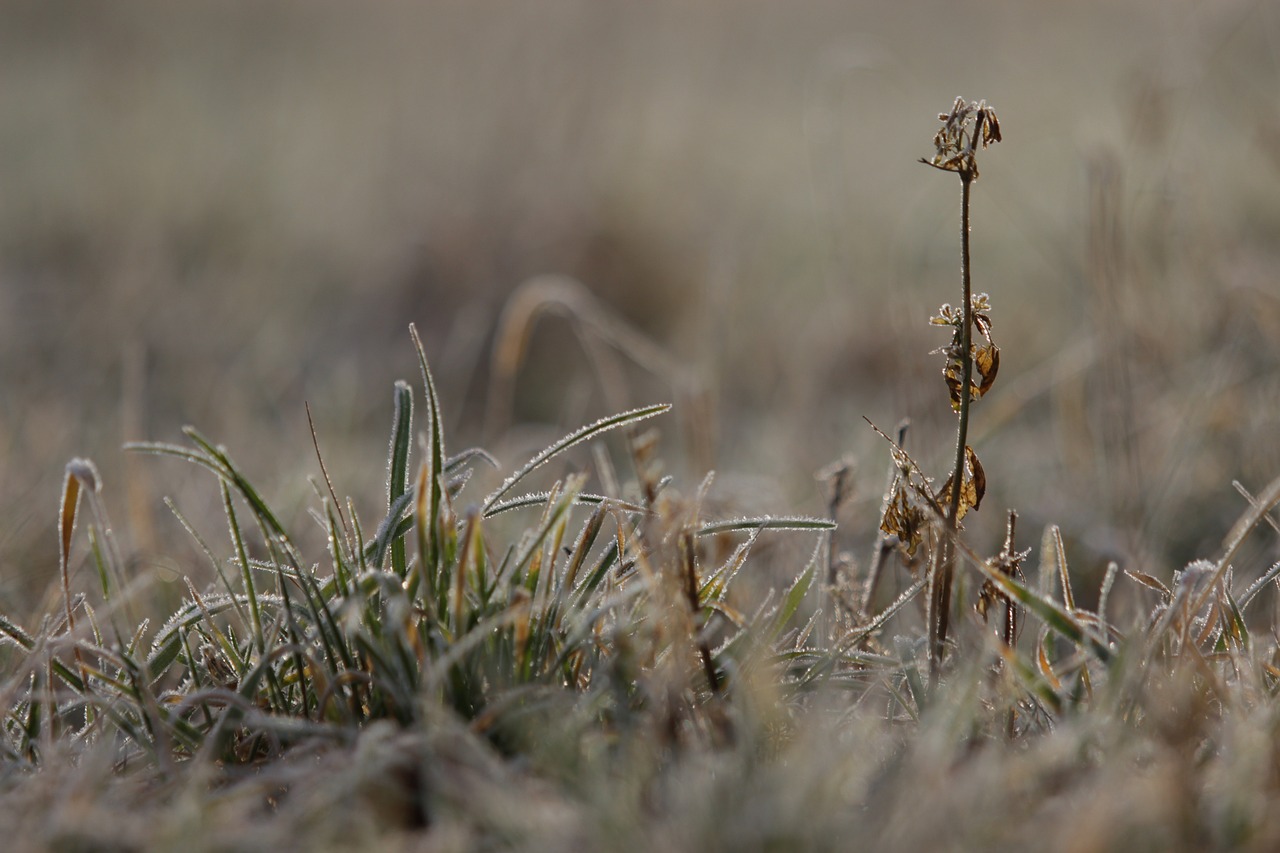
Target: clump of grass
{"type": "Point", "coordinates": [564, 668]}
{"type": "Point", "coordinates": [599, 597]}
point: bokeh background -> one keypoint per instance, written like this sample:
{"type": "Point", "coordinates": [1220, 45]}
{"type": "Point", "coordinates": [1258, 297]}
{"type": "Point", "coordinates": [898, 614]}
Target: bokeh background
{"type": "Point", "coordinates": [211, 213]}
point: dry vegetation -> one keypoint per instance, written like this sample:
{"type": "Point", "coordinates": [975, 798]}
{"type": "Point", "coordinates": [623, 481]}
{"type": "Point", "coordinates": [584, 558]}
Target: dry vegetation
{"type": "Point", "coordinates": [215, 214]}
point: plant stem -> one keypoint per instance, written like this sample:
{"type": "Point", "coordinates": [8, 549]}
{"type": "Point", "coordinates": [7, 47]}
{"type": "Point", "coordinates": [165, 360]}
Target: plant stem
{"type": "Point", "coordinates": [940, 595]}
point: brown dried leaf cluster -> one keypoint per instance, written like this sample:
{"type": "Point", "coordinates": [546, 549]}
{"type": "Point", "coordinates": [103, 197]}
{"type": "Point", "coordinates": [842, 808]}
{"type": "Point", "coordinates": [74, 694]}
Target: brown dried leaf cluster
{"type": "Point", "coordinates": [973, 485]}
{"type": "Point", "coordinates": [985, 356]}
{"type": "Point", "coordinates": [913, 505]}
{"type": "Point", "coordinates": [905, 519]}
{"type": "Point", "coordinates": [969, 125]}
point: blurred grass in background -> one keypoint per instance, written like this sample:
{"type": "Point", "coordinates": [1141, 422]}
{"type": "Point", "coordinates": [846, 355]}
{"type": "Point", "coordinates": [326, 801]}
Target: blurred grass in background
{"type": "Point", "coordinates": [210, 213]}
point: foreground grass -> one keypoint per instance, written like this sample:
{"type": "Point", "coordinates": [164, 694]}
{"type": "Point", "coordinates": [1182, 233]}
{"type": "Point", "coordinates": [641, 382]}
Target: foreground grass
{"type": "Point", "coordinates": [568, 670]}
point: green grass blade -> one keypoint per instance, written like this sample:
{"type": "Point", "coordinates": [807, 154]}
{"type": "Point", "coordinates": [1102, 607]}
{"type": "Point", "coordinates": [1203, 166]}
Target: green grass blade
{"type": "Point", "coordinates": [434, 469]}
{"type": "Point", "coordinates": [584, 434]}
{"type": "Point", "coordinates": [393, 528]}
{"type": "Point", "coordinates": [15, 634]}
{"type": "Point", "coordinates": [246, 573]}
{"type": "Point", "coordinates": [241, 484]}
{"type": "Point", "coordinates": [540, 499]}
{"type": "Point", "coordinates": [398, 464]}
{"type": "Point", "coordinates": [766, 523]}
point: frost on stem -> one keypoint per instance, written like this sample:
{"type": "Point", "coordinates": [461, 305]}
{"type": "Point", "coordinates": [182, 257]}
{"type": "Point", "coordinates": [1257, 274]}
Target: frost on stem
{"type": "Point", "coordinates": [969, 125]}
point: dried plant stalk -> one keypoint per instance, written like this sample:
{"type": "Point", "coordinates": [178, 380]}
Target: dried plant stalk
{"type": "Point", "coordinates": [968, 126]}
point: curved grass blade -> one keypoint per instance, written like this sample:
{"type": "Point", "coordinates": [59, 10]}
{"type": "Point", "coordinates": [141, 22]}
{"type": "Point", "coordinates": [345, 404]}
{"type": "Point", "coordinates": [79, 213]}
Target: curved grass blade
{"type": "Point", "coordinates": [584, 434]}
{"type": "Point", "coordinates": [540, 498]}
{"type": "Point", "coordinates": [766, 523]}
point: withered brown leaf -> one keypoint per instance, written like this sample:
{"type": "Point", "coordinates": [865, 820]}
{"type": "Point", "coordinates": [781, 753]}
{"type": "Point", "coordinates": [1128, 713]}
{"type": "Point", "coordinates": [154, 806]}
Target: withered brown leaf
{"type": "Point", "coordinates": [904, 519]}
{"type": "Point", "coordinates": [979, 476]}
{"type": "Point", "coordinates": [986, 360]}
{"type": "Point", "coordinates": [973, 486]}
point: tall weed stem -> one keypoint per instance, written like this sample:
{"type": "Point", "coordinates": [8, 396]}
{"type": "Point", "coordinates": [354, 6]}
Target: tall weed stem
{"type": "Point", "coordinates": [943, 577]}
{"type": "Point", "coordinates": [968, 126]}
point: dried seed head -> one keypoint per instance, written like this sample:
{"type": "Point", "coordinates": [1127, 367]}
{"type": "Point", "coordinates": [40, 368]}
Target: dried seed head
{"type": "Point", "coordinates": [970, 124]}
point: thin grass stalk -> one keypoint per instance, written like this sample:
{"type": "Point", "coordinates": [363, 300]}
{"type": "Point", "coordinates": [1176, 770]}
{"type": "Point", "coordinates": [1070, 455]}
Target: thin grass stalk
{"type": "Point", "coordinates": [246, 571]}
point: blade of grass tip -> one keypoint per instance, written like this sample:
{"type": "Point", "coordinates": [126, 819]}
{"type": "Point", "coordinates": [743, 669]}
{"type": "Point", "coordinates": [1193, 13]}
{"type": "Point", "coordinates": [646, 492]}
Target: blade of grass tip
{"type": "Point", "coordinates": [315, 442]}
{"type": "Point", "coordinates": [1104, 593]}
{"type": "Point", "coordinates": [398, 463]}
{"type": "Point", "coordinates": [362, 558]}
{"type": "Point", "coordinates": [76, 470]}
{"type": "Point", "coordinates": [1233, 621]}
{"type": "Point", "coordinates": [584, 434]}
{"type": "Point", "coordinates": [790, 604]}
{"type": "Point", "coordinates": [455, 462]}
{"type": "Point", "coordinates": [1260, 584]}
{"type": "Point", "coordinates": [1059, 556]}
{"type": "Point", "coordinates": [435, 454]}
{"type": "Point", "coordinates": [186, 454]}
{"type": "Point", "coordinates": [716, 583]}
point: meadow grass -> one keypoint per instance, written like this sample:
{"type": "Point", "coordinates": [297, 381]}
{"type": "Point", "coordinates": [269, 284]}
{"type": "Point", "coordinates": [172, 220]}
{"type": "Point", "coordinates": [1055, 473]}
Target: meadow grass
{"type": "Point", "coordinates": [564, 670]}
{"type": "Point", "coordinates": [579, 660]}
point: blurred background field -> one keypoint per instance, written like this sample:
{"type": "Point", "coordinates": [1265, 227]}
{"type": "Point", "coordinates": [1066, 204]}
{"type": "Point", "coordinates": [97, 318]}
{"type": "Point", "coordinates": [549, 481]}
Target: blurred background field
{"type": "Point", "coordinates": [212, 213]}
